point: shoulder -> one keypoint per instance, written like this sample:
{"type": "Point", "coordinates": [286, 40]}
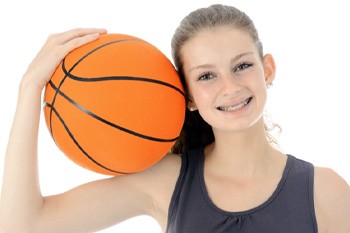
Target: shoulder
{"type": "Point", "coordinates": [167, 168]}
{"type": "Point", "coordinates": [165, 173]}
{"type": "Point", "coordinates": [332, 201]}
{"type": "Point", "coordinates": [157, 183]}
{"type": "Point", "coordinates": [162, 173]}
{"type": "Point", "coordinates": [330, 187]}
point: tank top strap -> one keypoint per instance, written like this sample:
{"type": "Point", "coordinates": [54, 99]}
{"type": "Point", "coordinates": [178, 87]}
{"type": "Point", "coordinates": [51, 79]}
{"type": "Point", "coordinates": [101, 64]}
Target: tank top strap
{"type": "Point", "coordinates": [190, 163]}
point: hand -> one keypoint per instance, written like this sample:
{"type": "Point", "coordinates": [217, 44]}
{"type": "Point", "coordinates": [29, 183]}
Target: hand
{"type": "Point", "coordinates": [55, 49]}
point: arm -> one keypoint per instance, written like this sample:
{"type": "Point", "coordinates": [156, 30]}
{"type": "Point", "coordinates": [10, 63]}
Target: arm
{"type": "Point", "coordinates": [22, 207]}
{"type": "Point", "coordinates": [332, 202]}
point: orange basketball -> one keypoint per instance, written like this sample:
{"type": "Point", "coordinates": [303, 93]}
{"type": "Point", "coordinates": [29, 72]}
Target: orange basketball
{"type": "Point", "coordinates": [115, 106]}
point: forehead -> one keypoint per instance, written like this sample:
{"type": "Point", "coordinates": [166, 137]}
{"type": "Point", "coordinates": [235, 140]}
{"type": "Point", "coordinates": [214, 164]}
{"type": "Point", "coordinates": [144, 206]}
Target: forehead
{"type": "Point", "coordinates": [226, 34]}
{"type": "Point", "coordinates": [215, 43]}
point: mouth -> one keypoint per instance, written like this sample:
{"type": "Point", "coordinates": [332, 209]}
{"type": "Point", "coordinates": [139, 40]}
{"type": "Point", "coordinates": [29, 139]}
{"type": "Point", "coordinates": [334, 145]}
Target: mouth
{"type": "Point", "coordinates": [235, 107]}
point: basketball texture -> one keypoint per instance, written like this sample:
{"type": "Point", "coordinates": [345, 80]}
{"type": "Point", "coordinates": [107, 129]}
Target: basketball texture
{"type": "Point", "coordinates": [115, 106]}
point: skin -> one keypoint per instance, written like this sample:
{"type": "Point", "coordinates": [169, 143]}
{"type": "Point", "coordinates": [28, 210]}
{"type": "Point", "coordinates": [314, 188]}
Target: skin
{"type": "Point", "coordinates": [247, 161]}
{"type": "Point", "coordinates": [249, 167]}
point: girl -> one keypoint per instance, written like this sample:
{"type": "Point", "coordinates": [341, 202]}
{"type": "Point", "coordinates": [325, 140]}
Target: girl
{"type": "Point", "coordinates": [224, 173]}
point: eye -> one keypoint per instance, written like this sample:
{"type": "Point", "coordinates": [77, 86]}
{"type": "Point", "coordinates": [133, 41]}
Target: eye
{"type": "Point", "coordinates": [206, 77]}
{"type": "Point", "coordinates": [243, 66]}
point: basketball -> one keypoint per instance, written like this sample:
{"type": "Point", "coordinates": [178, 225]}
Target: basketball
{"type": "Point", "coordinates": [115, 106]}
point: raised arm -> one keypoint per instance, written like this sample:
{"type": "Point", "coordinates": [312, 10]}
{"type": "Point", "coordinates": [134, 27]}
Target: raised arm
{"type": "Point", "coordinates": [21, 199]}
{"type": "Point", "coordinates": [89, 207]}
{"type": "Point", "coordinates": [20, 196]}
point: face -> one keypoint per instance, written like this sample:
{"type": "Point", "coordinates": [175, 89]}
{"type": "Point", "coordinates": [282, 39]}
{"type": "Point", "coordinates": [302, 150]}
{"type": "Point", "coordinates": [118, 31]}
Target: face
{"type": "Point", "coordinates": [226, 77]}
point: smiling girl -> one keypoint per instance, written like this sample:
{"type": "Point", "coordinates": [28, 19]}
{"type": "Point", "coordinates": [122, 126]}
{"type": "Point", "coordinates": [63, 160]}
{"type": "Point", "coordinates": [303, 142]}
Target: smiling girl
{"type": "Point", "coordinates": [223, 175]}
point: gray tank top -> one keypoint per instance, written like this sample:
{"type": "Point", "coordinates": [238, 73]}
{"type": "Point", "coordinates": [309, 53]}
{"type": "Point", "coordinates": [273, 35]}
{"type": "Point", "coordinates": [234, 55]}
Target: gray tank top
{"type": "Point", "coordinates": [290, 209]}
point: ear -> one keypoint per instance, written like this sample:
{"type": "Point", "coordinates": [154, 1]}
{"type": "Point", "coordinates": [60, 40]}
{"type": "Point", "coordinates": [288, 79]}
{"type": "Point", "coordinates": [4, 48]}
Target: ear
{"type": "Point", "coordinates": [269, 69]}
{"type": "Point", "coordinates": [191, 105]}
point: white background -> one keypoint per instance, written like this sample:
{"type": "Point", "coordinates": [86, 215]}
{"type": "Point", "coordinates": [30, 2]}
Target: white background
{"type": "Point", "coordinates": [310, 41]}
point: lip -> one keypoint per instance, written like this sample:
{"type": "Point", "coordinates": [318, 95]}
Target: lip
{"type": "Point", "coordinates": [235, 102]}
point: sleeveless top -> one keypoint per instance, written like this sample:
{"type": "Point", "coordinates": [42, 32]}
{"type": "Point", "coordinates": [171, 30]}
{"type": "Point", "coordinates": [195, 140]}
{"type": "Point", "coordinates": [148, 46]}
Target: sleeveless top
{"type": "Point", "coordinates": [290, 209]}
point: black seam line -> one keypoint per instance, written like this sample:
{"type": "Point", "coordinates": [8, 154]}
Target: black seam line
{"type": "Point", "coordinates": [76, 142]}
{"type": "Point", "coordinates": [120, 78]}
{"type": "Point", "coordinates": [80, 60]}
{"type": "Point", "coordinates": [110, 123]}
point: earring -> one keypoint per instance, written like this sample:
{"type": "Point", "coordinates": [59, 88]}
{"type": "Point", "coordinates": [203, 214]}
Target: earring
{"type": "Point", "coordinates": [192, 109]}
{"type": "Point", "coordinates": [269, 85]}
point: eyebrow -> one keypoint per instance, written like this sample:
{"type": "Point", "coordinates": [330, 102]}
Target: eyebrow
{"type": "Point", "coordinates": [203, 66]}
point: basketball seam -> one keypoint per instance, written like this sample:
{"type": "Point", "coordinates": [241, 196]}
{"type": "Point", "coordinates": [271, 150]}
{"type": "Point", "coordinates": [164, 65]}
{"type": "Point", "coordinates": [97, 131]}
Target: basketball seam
{"type": "Point", "coordinates": [80, 60]}
{"type": "Point", "coordinates": [108, 122]}
{"type": "Point", "coordinates": [122, 78]}
{"type": "Point", "coordinates": [76, 142]}
{"type": "Point", "coordinates": [95, 79]}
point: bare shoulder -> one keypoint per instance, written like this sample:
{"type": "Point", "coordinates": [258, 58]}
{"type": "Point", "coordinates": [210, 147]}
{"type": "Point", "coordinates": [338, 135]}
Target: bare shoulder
{"type": "Point", "coordinates": [330, 186]}
{"type": "Point", "coordinates": [167, 168]}
{"type": "Point", "coordinates": [332, 201]}
{"type": "Point", "coordinates": [159, 182]}
{"type": "Point", "coordinates": [170, 162]}
{"type": "Point", "coordinates": [152, 181]}
{"type": "Point", "coordinates": [163, 176]}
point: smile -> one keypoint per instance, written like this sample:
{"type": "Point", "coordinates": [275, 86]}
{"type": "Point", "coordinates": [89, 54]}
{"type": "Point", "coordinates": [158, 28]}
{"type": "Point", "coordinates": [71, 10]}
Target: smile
{"type": "Point", "coordinates": [235, 107]}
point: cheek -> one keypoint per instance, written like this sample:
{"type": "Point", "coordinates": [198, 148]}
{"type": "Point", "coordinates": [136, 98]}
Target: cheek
{"type": "Point", "coordinates": [257, 86]}
{"type": "Point", "coordinates": [201, 96]}
{"type": "Point", "coordinates": [261, 92]}
{"type": "Point", "coordinates": [258, 81]}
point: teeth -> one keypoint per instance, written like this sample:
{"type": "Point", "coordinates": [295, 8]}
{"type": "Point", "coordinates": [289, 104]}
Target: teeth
{"type": "Point", "coordinates": [234, 107]}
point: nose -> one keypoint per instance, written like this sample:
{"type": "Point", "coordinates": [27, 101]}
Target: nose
{"type": "Point", "coordinates": [229, 84]}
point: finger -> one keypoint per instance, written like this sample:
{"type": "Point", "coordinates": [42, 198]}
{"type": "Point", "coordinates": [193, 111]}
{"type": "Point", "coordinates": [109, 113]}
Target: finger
{"type": "Point", "coordinates": [79, 41]}
{"type": "Point", "coordinates": [64, 37]}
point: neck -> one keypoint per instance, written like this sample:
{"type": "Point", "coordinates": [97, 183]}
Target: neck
{"type": "Point", "coordinates": [242, 154]}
